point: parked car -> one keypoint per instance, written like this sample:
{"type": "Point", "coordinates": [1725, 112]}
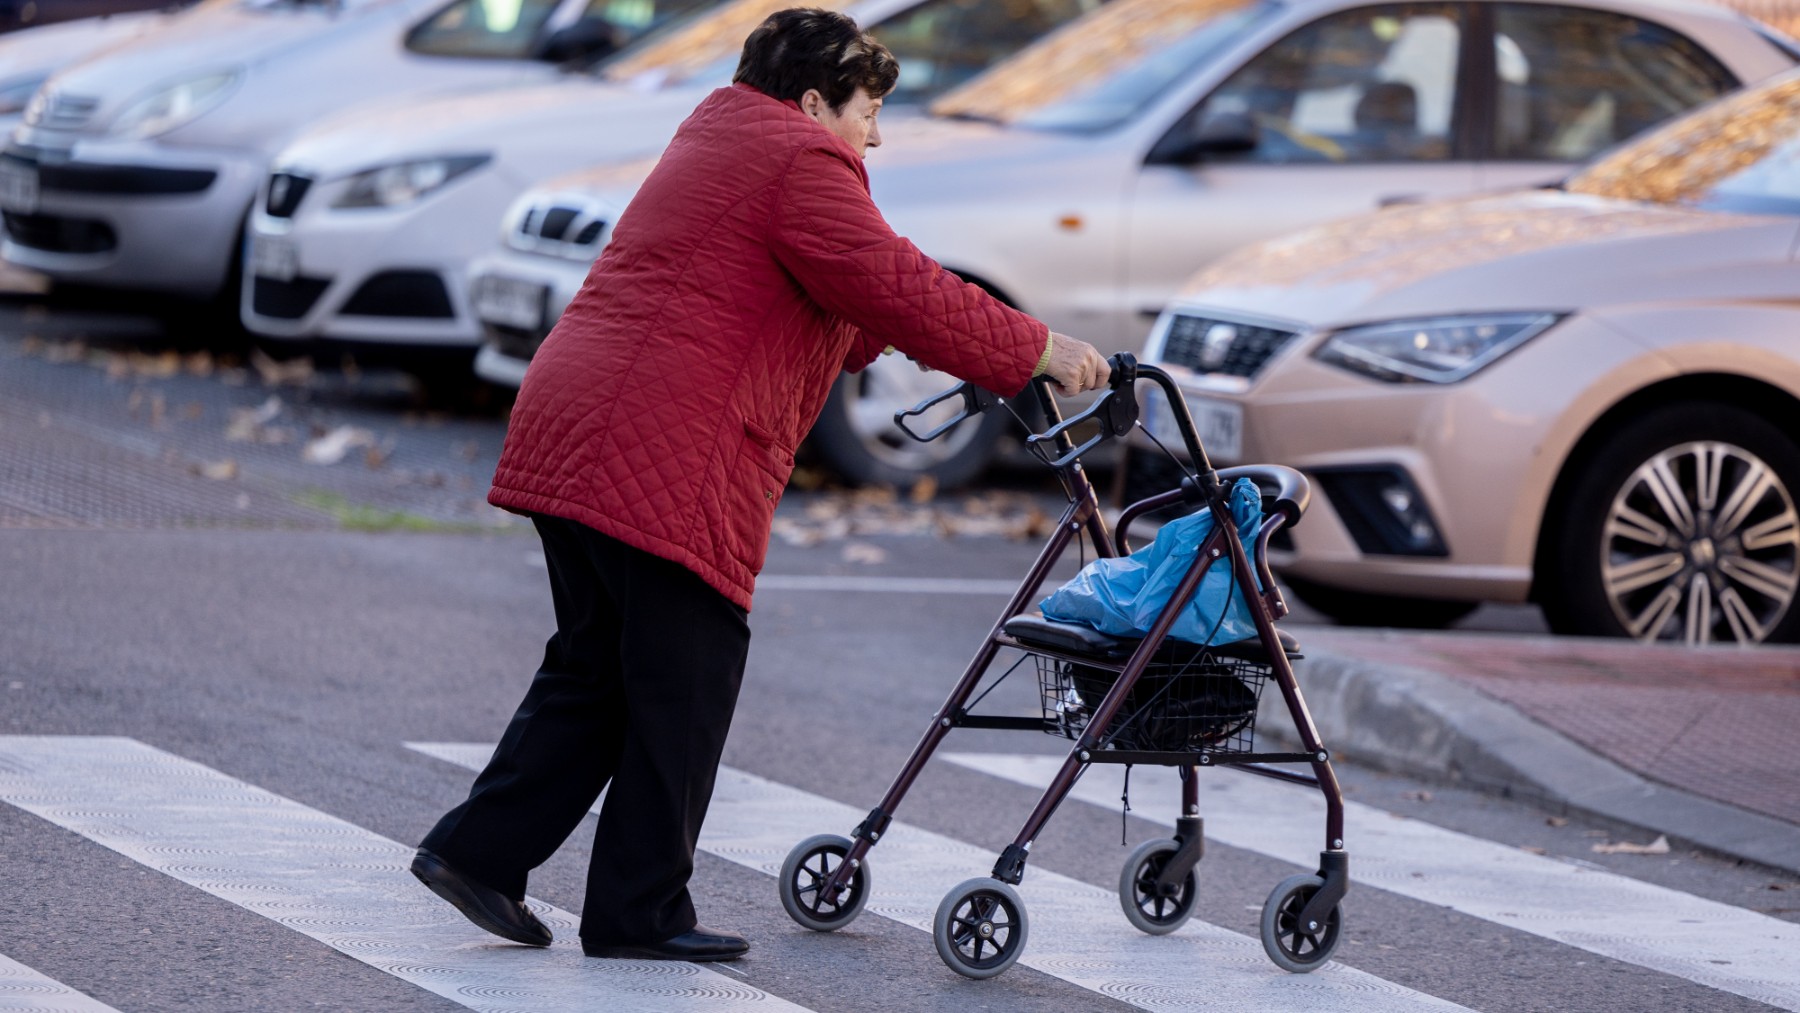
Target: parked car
{"type": "Point", "coordinates": [18, 14]}
{"type": "Point", "coordinates": [1085, 178]}
{"type": "Point", "coordinates": [28, 58]}
{"type": "Point", "coordinates": [338, 258]}
{"type": "Point", "coordinates": [136, 169]}
{"type": "Point", "coordinates": [1583, 396]}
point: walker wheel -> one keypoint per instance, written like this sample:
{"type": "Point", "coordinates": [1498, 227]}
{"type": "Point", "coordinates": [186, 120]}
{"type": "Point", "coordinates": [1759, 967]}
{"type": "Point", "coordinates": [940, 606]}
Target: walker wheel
{"type": "Point", "coordinates": [804, 872]}
{"type": "Point", "coordinates": [1292, 946]}
{"type": "Point", "coordinates": [980, 928]}
{"type": "Point", "coordinates": [1146, 907]}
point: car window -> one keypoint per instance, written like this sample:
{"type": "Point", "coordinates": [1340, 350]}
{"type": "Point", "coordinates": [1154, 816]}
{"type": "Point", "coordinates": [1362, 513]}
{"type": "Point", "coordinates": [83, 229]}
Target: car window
{"type": "Point", "coordinates": [942, 43]}
{"type": "Point", "coordinates": [1102, 70]}
{"type": "Point", "coordinates": [491, 28]}
{"type": "Point", "coordinates": [691, 47]}
{"type": "Point", "coordinates": [1375, 84]}
{"type": "Point", "coordinates": [1740, 154]}
{"type": "Point", "coordinates": [1574, 81]}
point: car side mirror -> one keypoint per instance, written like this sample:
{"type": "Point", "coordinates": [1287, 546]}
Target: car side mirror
{"type": "Point", "coordinates": [1218, 134]}
{"type": "Point", "coordinates": [585, 40]}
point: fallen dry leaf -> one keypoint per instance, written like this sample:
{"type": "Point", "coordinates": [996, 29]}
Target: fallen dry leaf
{"type": "Point", "coordinates": [865, 554]}
{"type": "Point", "coordinates": [1533, 849]}
{"type": "Point", "coordinates": [1660, 846]}
{"type": "Point", "coordinates": [218, 471]}
{"type": "Point", "coordinates": [331, 447]}
{"type": "Point", "coordinates": [924, 490]}
{"type": "Point", "coordinates": [1557, 821]}
{"type": "Point", "coordinates": [199, 363]}
{"type": "Point", "coordinates": [248, 425]}
{"type": "Point", "coordinates": [295, 372]}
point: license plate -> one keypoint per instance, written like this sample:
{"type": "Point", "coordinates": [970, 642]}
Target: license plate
{"type": "Point", "coordinates": [1219, 423]}
{"type": "Point", "coordinates": [510, 302]}
{"type": "Point", "coordinates": [18, 187]}
{"type": "Point", "coordinates": [274, 257]}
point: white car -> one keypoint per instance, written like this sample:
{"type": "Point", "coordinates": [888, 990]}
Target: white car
{"type": "Point", "coordinates": [1086, 178]}
{"type": "Point", "coordinates": [1583, 396]}
{"type": "Point", "coordinates": [28, 58]}
{"type": "Point", "coordinates": [136, 169]}
{"type": "Point", "coordinates": [348, 247]}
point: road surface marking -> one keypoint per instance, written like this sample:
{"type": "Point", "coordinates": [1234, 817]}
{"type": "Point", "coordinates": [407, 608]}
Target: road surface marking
{"type": "Point", "coordinates": [1579, 905]}
{"type": "Point", "coordinates": [26, 991]}
{"type": "Point", "coordinates": [886, 585]}
{"type": "Point", "coordinates": [328, 879]}
{"type": "Point", "coordinates": [1078, 933]}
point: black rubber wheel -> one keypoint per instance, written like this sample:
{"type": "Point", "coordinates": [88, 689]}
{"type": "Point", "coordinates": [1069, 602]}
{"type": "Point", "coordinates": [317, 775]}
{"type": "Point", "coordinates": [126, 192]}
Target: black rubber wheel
{"type": "Point", "coordinates": [1146, 907]}
{"type": "Point", "coordinates": [1363, 608]}
{"type": "Point", "coordinates": [980, 928]}
{"type": "Point", "coordinates": [857, 438]}
{"type": "Point", "coordinates": [1681, 528]}
{"type": "Point", "coordinates": [805, 870]}
{"type": "Point", "coordinates": [1292, 946]}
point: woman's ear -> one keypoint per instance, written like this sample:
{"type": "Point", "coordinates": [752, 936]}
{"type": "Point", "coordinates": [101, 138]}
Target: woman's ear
{"type": "Point", "coordinates": [812, 103]}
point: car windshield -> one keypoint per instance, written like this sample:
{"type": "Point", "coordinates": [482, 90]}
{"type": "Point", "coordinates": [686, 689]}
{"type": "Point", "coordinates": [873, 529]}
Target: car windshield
{"type": "Point", "coordinates": [1741, 154]}
{"type": "Point", "coordinates": [688, 48]}
{"type": "Point", "coordinates": [521, 29]}
{"type": "Point", "coordinates": [1098, 72]}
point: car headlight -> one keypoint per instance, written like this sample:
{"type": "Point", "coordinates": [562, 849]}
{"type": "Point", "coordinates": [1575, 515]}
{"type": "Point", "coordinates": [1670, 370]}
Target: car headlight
{"type": "Point", "coordinates": [163, 111]}
{"type": "Point", "coordinates": [1435, 350]}
{"type": "Point", "coordinates": [404, 182]}
{"type": "Point", "coordinates": [16, 95]}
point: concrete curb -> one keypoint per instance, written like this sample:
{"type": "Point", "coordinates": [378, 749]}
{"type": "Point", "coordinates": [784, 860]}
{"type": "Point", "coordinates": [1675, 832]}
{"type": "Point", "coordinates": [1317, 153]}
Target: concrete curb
{"type": "Point", "coordinates": [1423, 724]}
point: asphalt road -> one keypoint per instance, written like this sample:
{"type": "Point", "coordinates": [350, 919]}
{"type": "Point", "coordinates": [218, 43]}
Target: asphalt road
{"type": "Point", "coordinates": [302, 658]}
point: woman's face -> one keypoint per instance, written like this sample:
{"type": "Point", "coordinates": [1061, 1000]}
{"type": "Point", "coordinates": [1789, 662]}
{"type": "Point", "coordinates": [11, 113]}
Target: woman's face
{"type": "Point", "coordinates": [855, 122]}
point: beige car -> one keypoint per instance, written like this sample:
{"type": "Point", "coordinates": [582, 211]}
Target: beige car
{"type": "Point", "coordinates": [1587, 397]}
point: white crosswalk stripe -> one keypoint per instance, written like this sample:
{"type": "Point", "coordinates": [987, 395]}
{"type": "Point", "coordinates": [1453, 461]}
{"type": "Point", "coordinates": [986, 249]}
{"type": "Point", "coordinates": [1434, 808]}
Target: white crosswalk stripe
{"type": "Point", "coordinates": [23, 990]}
{"type": "Point", "coordinates": [1077, 934]}
{"type": "Point", "coordinates": [1584, 906]}
{"type": "Point", "coordinates": [328, 879]}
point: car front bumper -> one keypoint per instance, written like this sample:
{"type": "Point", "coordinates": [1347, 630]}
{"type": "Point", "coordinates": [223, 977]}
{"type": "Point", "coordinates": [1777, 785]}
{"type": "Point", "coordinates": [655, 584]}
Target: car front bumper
{"type": "Point", "coordinates": [131, 215]}
{"type": "Point", "coordinates": [508, 338]}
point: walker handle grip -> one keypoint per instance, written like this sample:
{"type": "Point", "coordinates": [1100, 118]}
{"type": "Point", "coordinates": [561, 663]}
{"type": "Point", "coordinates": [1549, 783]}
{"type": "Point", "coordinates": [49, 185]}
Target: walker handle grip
{"type": "Point", "coordinates": [975, 401]}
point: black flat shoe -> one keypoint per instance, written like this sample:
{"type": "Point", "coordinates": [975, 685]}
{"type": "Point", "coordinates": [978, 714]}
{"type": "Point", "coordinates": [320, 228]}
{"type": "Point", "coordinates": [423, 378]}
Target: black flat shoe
{"type": "Point", "coordinates": [699, 944]}
{"type": "Point", "coordinates": [490, 909]}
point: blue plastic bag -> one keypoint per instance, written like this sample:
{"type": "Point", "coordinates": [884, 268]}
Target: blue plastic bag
{"type": "Point", "coordinates": [1124, 595]}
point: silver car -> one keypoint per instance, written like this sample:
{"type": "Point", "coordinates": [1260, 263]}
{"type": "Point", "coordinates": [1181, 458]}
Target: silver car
{"type": "Point", "coordinates": [1583, 396]}
{"type": "Point", "coordinates": [136, 169]}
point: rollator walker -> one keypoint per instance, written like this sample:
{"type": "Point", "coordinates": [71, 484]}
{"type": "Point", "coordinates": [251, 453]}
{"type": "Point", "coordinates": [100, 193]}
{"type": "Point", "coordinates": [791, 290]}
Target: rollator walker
{"type": "Point", "coordinates": [1155, 701]}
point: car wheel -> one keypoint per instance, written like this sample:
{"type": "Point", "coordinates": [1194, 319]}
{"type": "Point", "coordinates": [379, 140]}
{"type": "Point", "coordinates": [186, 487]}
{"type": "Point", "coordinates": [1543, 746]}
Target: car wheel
{"type": "Point", "coordinates": [857, 438]}
{"type": "Point", "coordinates": [1683, 529]}
{"type": "Point", "coordinates": [1363, 608]}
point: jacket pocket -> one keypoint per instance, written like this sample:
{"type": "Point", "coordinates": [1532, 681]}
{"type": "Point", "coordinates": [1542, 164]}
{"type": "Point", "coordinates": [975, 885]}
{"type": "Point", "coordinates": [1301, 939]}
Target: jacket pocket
{"type": "Point", "coordinates": [761, 475]}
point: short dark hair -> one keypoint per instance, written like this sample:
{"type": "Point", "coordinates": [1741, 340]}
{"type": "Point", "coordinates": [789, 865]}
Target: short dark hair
{"type": "Point", "coordinates": [804, 47]}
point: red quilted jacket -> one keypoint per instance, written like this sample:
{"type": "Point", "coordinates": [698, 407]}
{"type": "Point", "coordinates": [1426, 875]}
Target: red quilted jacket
{"type": "Point", "coordinates": [752, 266]}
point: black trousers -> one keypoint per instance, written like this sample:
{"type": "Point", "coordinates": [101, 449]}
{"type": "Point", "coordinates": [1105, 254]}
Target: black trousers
{"type": "Point", "coordinates": [637, 690]}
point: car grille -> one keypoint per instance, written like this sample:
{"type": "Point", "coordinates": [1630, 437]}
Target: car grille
{"type": "Point", "coordinates": [57, 234]}
{"type": "Point", "coordinates": [561, 227]}
{"type": "Point", "coordinates": [62, 111]}
{"type": "Point", "coordinates": [286, 191]}
{"type": "Point", "coordinates": [1223, 347]}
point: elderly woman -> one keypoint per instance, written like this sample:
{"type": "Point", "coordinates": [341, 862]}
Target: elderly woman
{"type": "Point", "coordinates": [650, 445]}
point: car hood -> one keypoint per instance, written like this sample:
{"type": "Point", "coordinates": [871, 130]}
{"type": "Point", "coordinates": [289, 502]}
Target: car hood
{"type": "Point", "coordinates": [214, 37]}
{"type": "Point", "coordinates": [613, 183]}
{"type": "Point", "coordinates": [921, 156]}
{"type": "Point", "coordinates": [1538, 250]}
{"type": "Point", "coordinates": [575, 121]}
{"type": "Point", "coordinates": [38, 51]}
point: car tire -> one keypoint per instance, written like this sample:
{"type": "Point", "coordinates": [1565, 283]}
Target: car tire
{"type": "Point", "coordinates": [1363, 608]}
{"type": "Point", "coordinates": [1645, 549]}
{"type": "Point", "coordinates": [856, 436]}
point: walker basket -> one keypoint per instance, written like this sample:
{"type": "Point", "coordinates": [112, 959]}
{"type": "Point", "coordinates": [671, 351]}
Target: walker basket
{"type": "Point", "coordinates": [1186, 700]}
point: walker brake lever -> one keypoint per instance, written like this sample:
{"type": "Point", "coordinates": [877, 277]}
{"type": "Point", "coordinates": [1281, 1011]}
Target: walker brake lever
{"type": "Point", "coordinates": [975, 401]}
{"type": "Point", "coordinates": [1116, 410]}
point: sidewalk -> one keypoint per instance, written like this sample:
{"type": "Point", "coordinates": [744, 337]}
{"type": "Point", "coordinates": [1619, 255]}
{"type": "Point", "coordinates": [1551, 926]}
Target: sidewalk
{"type": "Point", "coordinates": [1700, 745]}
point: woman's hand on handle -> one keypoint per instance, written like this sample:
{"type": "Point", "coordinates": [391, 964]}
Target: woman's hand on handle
{"type": "Point", "coordinates": [1076, 365]}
